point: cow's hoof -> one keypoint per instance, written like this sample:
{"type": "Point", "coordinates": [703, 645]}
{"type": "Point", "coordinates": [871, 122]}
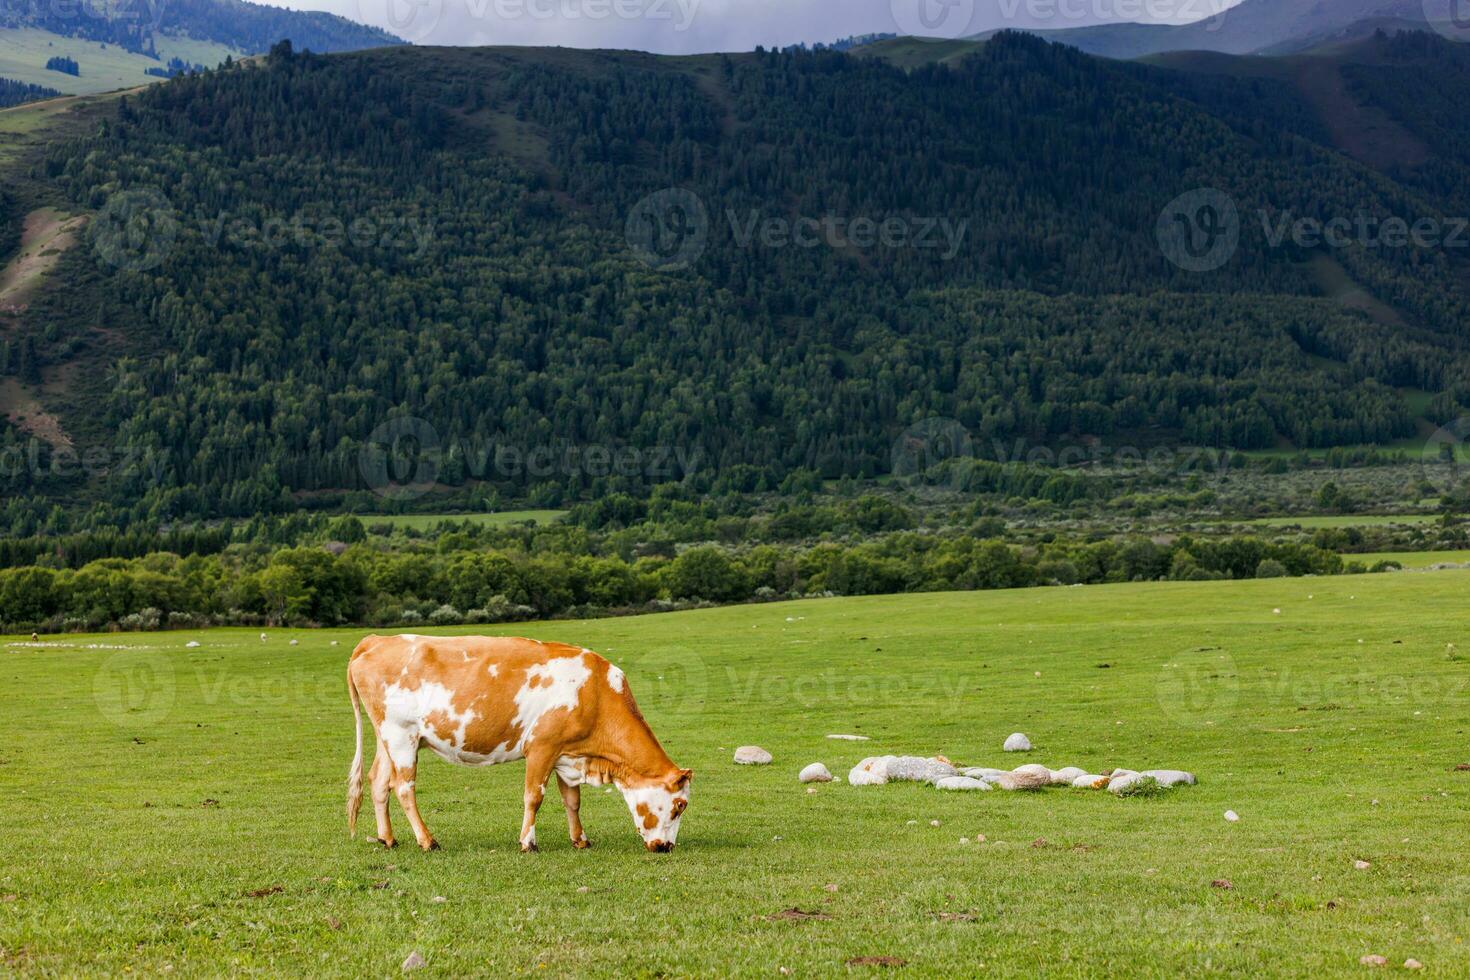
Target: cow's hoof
{"type": "Point", "coordinates": [530, 848]}
{"type": "Point", "coordinates": [433, 845]}
{"type": "Point", "coordinates": [582, 844]}
{"type": "Point", "coordinates": [388, 845]}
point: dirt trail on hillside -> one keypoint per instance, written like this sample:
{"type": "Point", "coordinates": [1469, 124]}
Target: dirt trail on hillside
{"type": "Point", "coordinates": [47, 234]}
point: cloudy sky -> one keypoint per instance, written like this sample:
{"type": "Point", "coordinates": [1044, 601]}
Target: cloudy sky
{"type": "Point", "coordinates": [691, 26]}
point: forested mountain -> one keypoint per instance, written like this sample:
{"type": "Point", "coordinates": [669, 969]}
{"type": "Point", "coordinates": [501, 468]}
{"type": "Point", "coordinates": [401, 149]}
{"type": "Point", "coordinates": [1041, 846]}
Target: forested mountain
{"type": "Point", "coordinates": [495, 287]}
{"type": "Point", "coordinates": [14, 93]}
{"type": "Point", "coordinates": [135, 25]}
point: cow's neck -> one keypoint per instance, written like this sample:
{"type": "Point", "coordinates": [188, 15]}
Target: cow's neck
{"type": "Point", "coordinates": [632, 765]}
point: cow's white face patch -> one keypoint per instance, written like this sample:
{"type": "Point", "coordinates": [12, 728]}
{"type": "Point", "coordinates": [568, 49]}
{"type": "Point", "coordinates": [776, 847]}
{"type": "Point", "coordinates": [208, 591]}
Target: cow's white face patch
{"type": "Point", "coordinates": [615, 678]}
{"type": "Point", "coordinates": [657, 812]}
{"type": "Point", "coordinates": [554, 685]}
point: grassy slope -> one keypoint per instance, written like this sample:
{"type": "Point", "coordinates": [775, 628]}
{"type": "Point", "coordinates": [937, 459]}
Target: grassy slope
{"type": "Point", "coordinates": [1330, 749]}
{"type": "Point", "coordinates": [23, 55]}
{"type": "Point", "coordinates": [1411, 559]}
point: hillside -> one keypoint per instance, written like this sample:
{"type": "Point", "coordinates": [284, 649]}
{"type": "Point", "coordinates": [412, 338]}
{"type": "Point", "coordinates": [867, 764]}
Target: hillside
{"type": "Point", "coordinates": [132, 43]}
{"type": "Point", "coordinates": [497, 283]}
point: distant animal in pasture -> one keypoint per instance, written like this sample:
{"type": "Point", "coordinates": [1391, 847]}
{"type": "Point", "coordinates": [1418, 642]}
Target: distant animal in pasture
{"type": "Point", "coordinates": [480, 700]}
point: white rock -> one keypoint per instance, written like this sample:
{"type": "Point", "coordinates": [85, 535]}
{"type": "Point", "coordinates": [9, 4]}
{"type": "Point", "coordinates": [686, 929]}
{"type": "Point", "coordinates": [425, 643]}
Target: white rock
{"type": "Point", "coordinates": [916, 769]}
{"type": "Point", "coordinates": [1232, 816]}
{"type": "Point", "coordinates": [191, 644]}
{"type": "Point", "coordinates": [1121, 784]}
{"type": "Point", "coordinates": [980, 772]}
{"type": "Point", "coordinates": [815, 773]}
{"type": "Point", "coordinates": [1091, 781]}
{"type": "Point", "coordinates": [872, 771]}
{"type": "Point", "coordinates": [961, 782]}
{"type": "Point", "coordinates": [1017, 743]}
{"type": "Point", "coordinates": [850, 738]}
{"type": "Point", "coordinates": [1023, 780]}
{"type": "Point", "coordinates": [294, 642]}
{"type": "Point", "coordinates": [1034, 769]}
{"type": "Point", "coordinates": [1362, 865]}
{"type": "Point", "coordinates": [752, 755]}
{"type": "Point", "coordinates": [415, 961]}
{"type": "Point", "coordinates": [1171, 777]}
{"type": "Point", "coordinates": [1066, 775]}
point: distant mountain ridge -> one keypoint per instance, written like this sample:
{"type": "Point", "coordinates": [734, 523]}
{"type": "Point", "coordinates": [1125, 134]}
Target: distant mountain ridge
{"type": "Point", "coordinates": [136, 25]}
{"type": "Point", "coordinates": [1252, 27]}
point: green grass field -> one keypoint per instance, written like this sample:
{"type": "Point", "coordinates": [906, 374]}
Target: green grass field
{"type": "Point", "coordinates": [174, 809]}
{"type": "Point", "coordinates": [424, 522]}
{"type": "Point", "coordinates": [24, 52]}
{"type": "Point", "coordinates": [1411, 559]}
{"type": "Point", "coordinates": [1344, 520]}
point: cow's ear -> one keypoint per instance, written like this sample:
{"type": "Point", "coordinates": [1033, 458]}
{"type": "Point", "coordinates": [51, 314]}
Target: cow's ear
{"type": "Point", "coordinates": [682, 780]}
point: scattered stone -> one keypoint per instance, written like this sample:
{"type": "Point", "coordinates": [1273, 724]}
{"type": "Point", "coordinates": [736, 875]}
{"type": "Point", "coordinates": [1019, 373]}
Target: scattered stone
{"type": "Point", "coordinates": [438, 899]}
{"type": "Point", "coordinates": [815, 773]}
{"type": "Point", "coordinates": [1017, 743]}
{"type": "Point", "coordinates": [911, 823]}
{"type": "Point", "coordinates": [583, 890]}
{"type": "Point", "coordinates": [1232, 816]}
{"type": "Point", "coordinates": [850, 738]}
{"type": "Point", "coordinates": [192, 644]}
{"type": "Point", "coordinates": [752, 755]}
{"type": "Point", "coordinates": [414, 961]}
{"type": "Point", "coordinates": [964, 840]}
{"type": "Point", "coordinates": [872, 771]}
{"type": "Point", "coordinates": [1132, 784]}
{"type": "Point", "coordinates": [1065, 776]}
{"type": "Point", "coordinates": [294, 642]}
{"type": "Point", "coordinates": [1413, 964]}
{"type": "Point", "coordinates": [1171, 777]}
{"type": "Point", "coordinates": [830, 888]}
{"type": "Point", "coordinates": [1091, 781]}
{"type": "Point", "coordinates": [810, 790]}
{"type": "Point", "coordinates": [1022, 781]}
{"type": "Point", "coordinates": [1373, 959]}
{"type": "Point", "coordinates": [1362, 865]}
{"type": "Point", "coordinates": [915, 769]}
{"type": "Point", "coordinates": [934, 823]}
{"type": "Point", "coordinates": [981, 772]}
{"type": "Point", "coordinates": [961, 782]}
{"type": "Point", "coordinates": [1222, 883]}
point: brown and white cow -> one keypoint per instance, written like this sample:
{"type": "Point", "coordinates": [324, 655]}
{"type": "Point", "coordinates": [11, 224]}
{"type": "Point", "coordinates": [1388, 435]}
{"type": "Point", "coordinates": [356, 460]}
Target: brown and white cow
{"type": "Point", "coordinates": [481, 700]}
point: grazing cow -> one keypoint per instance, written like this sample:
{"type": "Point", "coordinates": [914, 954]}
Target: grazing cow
{"type": "Point", "coordinates": [480, 700]}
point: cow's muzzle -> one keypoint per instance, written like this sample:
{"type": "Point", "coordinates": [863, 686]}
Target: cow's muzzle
{"type": "Point", "coordinates": [660, 846]}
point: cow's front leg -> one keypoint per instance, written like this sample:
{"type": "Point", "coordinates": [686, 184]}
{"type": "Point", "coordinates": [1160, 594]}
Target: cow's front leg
{"type": "Point", "coordinates": [538, 769]}
{"type": "Point", "coordinates": [571, 797]}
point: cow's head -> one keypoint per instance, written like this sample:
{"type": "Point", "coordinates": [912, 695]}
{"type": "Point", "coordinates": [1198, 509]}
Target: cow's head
{"type": "Point", "coordinates": [657, 809]}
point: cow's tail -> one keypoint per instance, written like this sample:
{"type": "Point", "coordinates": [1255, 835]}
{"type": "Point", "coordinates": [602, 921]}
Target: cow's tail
{"type": "Point", "coordinates": [354, 775]}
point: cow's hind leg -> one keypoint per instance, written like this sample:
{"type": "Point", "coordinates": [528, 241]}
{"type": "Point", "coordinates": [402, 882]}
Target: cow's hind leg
{"type": "Point", "coordinates": [538, 770]}
{"type": "Point", "coordinates": [571, 796]}
{"type": "Point", "coordinates": [403, 756]}
{"type": "Point", "coordinates": [382, 777]}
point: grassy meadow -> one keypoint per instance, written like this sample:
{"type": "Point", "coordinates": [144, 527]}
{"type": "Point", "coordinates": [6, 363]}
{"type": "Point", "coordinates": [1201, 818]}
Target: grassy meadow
{"type": "Point", "coordinates": [180, 809]}
{"type": "Point", "coordinates": [104, 67]}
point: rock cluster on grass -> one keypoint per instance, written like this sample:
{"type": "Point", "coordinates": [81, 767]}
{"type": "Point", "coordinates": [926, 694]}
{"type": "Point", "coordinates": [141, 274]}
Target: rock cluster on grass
{"type": "Point", "coordinates": [940, 773]}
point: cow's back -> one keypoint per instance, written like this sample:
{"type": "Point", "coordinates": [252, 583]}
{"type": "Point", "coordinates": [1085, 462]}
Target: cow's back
{"type": "Point", "coordinates": [479, 700]}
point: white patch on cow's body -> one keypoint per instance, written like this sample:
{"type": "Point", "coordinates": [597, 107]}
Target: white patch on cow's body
{"type": "Point", "coordinates": [405, 722]}
{"type": "Point", "coordinates": [573, 771]}
{"type": "Point", "coordinates": [552, 686]}
{"type": "Point", "coordinates": [493, 670]}
{"type": "Point", "coordinates": [615, 678]}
